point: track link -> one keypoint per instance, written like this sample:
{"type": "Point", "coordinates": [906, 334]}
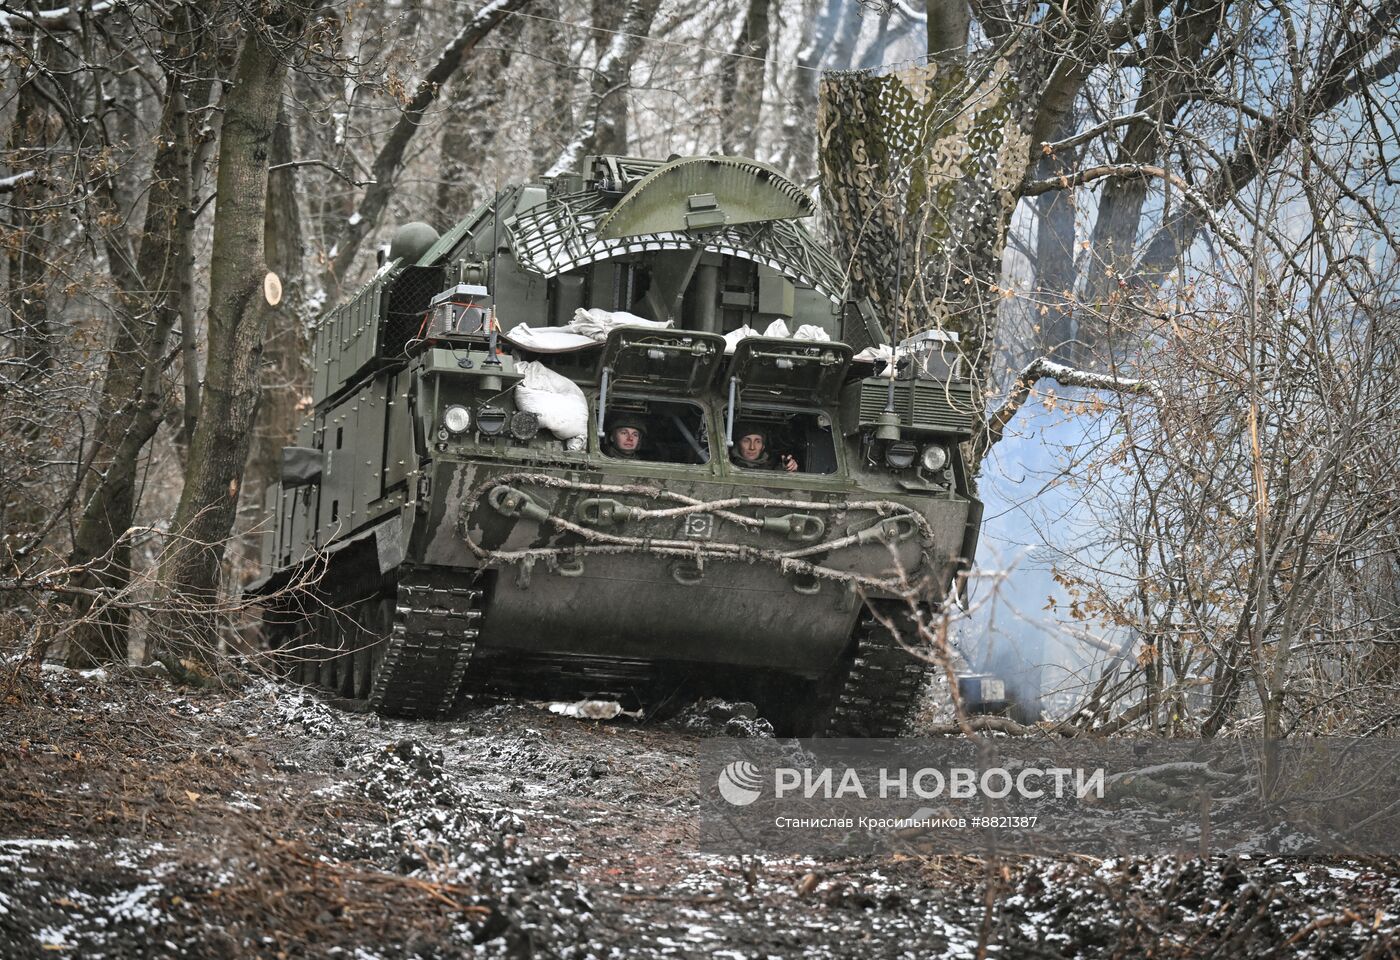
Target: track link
{"type": "Point", "coordinates": [881, 691]}
{"type": "Point", "coordinates": [432, 636]}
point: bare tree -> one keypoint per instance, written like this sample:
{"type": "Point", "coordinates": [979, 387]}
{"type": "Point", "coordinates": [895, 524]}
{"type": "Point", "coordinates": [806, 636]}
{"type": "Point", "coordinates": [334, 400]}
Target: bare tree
{"type": "Point", "coordinates": [611, 78]}
{"type": "Point", "coordinates": [389, 161]}
{"type": "Point", "coordinates": [951, 147]}
{"type": "Point", "coordinates": [741, 83]}
{"type": "Point", "coordinates": [150, 276]}
{"type": "Point", "coordinates": [237, 314]}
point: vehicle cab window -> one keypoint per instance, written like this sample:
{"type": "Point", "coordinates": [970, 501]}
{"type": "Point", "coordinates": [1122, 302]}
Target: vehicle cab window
{"type": "Point", "coordinates": [658, 431]}
{"type": "Point", "coordinates": [793, 442]}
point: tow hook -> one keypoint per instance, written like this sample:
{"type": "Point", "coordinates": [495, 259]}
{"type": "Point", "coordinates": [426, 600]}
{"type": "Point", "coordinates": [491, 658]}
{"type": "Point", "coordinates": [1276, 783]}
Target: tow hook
{"type": "Point", "coordinates": [801, 527]}
{"type": "Point", "coordinates": [513, 503]}
{"type": "Point", "coordinates": [891, 530]}
{"type": "Point", "coordinates": [599, 511]}
{"type": "Point", "coordinates": [567, 566]}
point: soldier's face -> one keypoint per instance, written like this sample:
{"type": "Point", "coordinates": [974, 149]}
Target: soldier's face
{"type": "Point", "coordinates": [627, 438]}
{"type": "Point", "coordinates": [751, 446]}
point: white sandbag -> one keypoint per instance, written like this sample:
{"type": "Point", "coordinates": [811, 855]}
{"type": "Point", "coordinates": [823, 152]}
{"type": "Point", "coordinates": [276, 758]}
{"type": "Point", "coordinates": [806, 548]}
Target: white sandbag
{"type": "Point", "coordinates": [810, 331]}
{"type": "Point", "coordinates": [554, 398]}
{"type": "Point", "coordinates": [597, 323]}
{"type": "Point", "coordinates": [778, 328]}
{"type": "Point", "coordinates": [880, 353]}
{"type": "Point", "coordinates": [548, 339]}
{"type": "Point", "coordinates": [732, 338]}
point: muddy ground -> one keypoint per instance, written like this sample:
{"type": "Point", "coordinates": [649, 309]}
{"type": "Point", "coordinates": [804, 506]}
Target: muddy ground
{"type": "Point", "coordinates": [139, 819]}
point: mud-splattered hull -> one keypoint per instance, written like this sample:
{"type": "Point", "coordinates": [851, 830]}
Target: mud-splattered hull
{"type": "Point", "coordinates": [703, 572]}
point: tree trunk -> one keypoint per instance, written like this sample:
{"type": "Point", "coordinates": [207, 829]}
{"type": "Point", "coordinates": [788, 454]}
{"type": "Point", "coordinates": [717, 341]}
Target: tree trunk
{"type": "Point", "coordinates": [1056, 336]}
{"type": "Point", "coordinates": [27, 295]}
{"type": "Point", "coordinates": [390, 159]}
{"type": "Point", "coordinates": [132, 403]}
{"type": "Point", "coordinates": [286, 368]}
{"type": "Point", "coordinates": [27, 325]}
{"type": "Point", "coordinates": [468, 131]}
{"type": "Point", "coordinates": [948, 24]}
{"type": "Point", "coordinates": [798, 153]}
{"type": "Point", "coordinates": [209, 66]}
{"type": "Point", "coordinates": [874, 54]}
{"type": "Point", "coordinates": [1121, 200]}
{"type": "Point", "coordinates": [610, 109]}
{"type": "Point", "coordinates": [741, 82]}
{"type": "Point", "coordinates": [598, 133]}
{"type": "Point", "coordinates": [843, 49]}
{"type": "Point", "coordinates": [558, 75]}
{"type": "Point", "coordinates": [189, 564]}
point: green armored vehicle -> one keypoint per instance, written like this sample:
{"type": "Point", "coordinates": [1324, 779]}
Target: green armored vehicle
{"type": "Point", "coordinates": [618, 434]}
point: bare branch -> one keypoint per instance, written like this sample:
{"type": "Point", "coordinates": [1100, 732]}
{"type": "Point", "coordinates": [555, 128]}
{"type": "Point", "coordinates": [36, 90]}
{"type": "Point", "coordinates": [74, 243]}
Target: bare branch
{"type": "Point", "coordinates": [1084, 136]}
{"type": "Point", "coordinates": [1032, 188]}
{"type": "Point", "coordinates": [988, 724]}
{"type": "Point", "coordinates": [315, 162]}
{"type": "Point", "coordinates": [11, 184]}
{"type": "Point", "coordinates": [610, 75]}
{"type": "Point", "coordinates": [1044, 368]}
{"type": "Point", "coordinates": [390, 159]}
{"type": "Point", "coordinates": [68, 18]}
{"type": "Point", "coordinates": [1267, 140]}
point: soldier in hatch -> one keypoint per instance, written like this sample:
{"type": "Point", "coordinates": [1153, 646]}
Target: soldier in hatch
{"type": "Point", "coordinates": [751, 450]}
{"type": "Point", "coordinates": [625, 437]}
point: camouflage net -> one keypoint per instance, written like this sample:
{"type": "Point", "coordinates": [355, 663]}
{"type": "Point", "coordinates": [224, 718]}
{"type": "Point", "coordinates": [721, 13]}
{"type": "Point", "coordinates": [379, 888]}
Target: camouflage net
{"type": "Point", "coordinates": [888, 515]}
{"type": "Point", "coordinates": [942, 149]}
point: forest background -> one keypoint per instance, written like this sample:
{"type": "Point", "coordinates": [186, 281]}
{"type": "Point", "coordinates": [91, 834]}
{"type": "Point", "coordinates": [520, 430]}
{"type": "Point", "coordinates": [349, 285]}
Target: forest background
{"type": "Point", "coordinates": [1166, 229]}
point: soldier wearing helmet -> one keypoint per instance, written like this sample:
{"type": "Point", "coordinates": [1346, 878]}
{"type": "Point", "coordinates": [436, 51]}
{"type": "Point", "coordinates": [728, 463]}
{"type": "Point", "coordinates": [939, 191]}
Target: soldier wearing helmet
{"type": "Point", "coordinates": [625, 437]}
{"type": "Point", "coordinates": [750, 450]}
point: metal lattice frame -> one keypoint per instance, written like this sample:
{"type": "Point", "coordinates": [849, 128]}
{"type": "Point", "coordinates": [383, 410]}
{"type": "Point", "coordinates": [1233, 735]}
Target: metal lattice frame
{"type": "Point", "coordinates": [561, 235]}
{"type": "Point", "coordinates": [625, 171]}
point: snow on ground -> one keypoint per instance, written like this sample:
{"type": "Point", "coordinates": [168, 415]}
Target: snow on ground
{"type": "Point", "coordinates": [266, 822]}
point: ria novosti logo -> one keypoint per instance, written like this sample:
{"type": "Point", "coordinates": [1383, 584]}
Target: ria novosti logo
{"type": "Point", "coordinates": [740, 783]}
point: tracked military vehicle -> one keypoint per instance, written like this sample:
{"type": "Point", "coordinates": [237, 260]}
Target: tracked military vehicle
{"type": "Point", "coordinates": [461, 490]}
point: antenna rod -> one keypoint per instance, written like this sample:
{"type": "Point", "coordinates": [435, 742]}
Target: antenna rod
{"type": "Point", "coordinates": [491, 357]}
{"type": "Point", "coordinates": [495, 244]}
{"type": "Point", "coordinates": [894, 314]}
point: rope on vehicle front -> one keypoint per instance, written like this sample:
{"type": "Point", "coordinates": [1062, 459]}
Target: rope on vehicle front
{"type": "Point", "coordinates": [893, 522]}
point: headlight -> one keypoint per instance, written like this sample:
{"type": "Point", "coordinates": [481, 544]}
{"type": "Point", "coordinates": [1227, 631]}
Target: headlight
{"type": "Point", "coordinates": [524, 425]}
{"type": "Point", "coordinates": [456, 419]}
{"type": "Point", "coordinates": [935, 458]}
{"type": "Point", "coordinates": [900, 456]}
{"type": "Point", "coordinates": [490, 420]}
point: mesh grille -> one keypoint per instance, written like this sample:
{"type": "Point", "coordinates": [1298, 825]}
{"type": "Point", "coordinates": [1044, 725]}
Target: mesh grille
{"type": "Point", "coordinates": [560, 235]}
{"type": "Point", "coordinates": [854, 329]}
{"type": "Point", "coordinates": [409, 300]}
{"type": "Point", "coordinates": [946, 407]}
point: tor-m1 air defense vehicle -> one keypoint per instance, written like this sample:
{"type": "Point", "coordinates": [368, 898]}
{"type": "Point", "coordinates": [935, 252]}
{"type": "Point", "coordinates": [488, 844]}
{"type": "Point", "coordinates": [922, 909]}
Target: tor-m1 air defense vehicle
{"type": "Point", "coordinates": [461, 486]}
